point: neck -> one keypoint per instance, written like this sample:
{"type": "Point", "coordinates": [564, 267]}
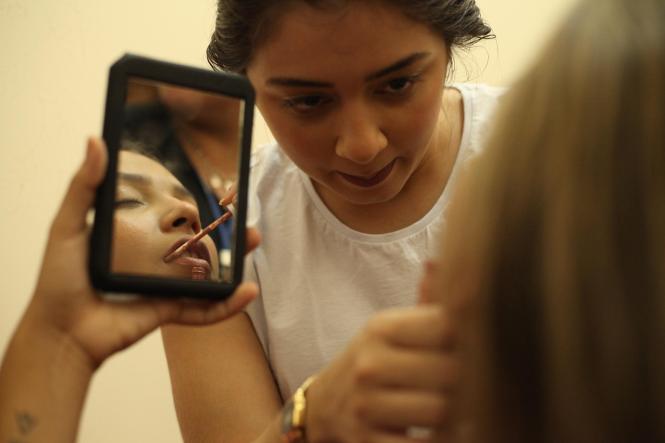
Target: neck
{"type": "Point", "coordinates": [214, 156]}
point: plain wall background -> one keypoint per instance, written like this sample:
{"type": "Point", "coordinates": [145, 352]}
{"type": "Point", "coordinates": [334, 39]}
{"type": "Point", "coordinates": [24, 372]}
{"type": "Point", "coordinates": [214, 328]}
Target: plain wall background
{"type": "Point", "coordinates": [53, 63]}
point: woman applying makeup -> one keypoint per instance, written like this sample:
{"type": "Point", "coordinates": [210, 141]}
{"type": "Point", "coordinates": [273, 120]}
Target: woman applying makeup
{"type": "Point", "coordinates": [370, 139]}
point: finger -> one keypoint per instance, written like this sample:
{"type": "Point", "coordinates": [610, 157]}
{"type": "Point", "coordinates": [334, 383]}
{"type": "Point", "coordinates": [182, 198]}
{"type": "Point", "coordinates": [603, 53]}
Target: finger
{"type": "Point", "coordinates": [197, 313]}
{"type": "Point", "coordinates": [403, 409]}
{"type": "Point", "coordinates": [230, 196]}
{"type": "Point", "coordinates": [427, 287]}
{"type": "Point", "coordinates": [394, 436]}
{"type": "Point", "coordinates": [422, 326]}
{"type": "Point", "coordinates": [134, 320]}
{"type": "Point", "coordinates": [436, 371]}
{"type": "Point", "coordinates": [253, 239]}
{"type": "Point", "coordinates": [70, 218]}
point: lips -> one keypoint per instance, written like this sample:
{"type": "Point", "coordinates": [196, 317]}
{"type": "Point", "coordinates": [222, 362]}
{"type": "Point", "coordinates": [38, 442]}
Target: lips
{"type": "Point", "coordinates": [196, 256]}
{"type": "Point", "coordinates": [373, 180]}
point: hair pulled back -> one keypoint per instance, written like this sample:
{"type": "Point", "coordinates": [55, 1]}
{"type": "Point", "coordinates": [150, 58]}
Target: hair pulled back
{"type": "Point", "coordinates": [241, 25]}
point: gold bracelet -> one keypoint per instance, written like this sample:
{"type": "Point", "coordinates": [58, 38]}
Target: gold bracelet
{"type": "Point", "coordinates": [295, 413]}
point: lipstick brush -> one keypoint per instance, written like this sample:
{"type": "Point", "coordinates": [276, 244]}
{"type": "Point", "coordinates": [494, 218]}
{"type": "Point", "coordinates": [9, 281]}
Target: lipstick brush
{"type": "Point", "coordinates": [205, 231]}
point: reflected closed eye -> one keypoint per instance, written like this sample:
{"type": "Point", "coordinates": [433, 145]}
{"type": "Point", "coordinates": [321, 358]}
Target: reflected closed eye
{"type": "Point", "coordinates": [128, 203]}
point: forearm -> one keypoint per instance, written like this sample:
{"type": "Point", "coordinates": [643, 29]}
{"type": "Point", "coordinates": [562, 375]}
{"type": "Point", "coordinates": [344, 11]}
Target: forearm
{"type": "Point", "coordinates": [228, 395]}
{"type": "Point", "coordinates": [44, 378]}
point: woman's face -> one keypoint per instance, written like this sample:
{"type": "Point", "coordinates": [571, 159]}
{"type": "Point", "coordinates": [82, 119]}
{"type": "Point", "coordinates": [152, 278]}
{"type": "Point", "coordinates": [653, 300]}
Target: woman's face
{"type": "Point", "coordinates": [154, 214]}
{"type": "Point", "coordinates": [352, 96]}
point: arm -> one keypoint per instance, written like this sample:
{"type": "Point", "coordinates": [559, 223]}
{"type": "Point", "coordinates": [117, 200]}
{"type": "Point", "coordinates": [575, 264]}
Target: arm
{"type": "Point", "coordinates": [393, 376]}
{"type": "Point", "coordinates": [68, 330]}
{"type": "Point", "coordinates": [232, 397]}
{"type": "Point", "coordinates": [43, 371]}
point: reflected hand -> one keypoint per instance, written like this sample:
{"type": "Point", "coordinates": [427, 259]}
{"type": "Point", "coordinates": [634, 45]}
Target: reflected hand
{"type": "Point", "coordinates": [65, 303]}
{"type": "Point", "coordinates": [395, 375]}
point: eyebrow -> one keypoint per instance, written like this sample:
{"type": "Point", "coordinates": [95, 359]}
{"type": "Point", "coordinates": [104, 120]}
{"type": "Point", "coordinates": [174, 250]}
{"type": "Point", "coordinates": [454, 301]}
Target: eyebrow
{"type": "Point", "coordinates": [398, 65]}
{"type": "Point", "coordinates": [142, 180]}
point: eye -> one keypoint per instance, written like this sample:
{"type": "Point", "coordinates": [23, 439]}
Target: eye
{"type": "Point", "coordinates": [307, 104]}
{"type": "Point", "coordinates": [128, 203]}
{"type": "Point", "coordinates": [398, 85]}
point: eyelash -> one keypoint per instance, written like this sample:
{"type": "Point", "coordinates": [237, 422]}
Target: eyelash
{"type": "Point", "coordinates": [300, 106]}
{"type": "Point", "coordinates": [128, 203]}
{"type": "Point", "coordinates": [297, 103]}
{"type": "Point", "coordinates": [410, 81]}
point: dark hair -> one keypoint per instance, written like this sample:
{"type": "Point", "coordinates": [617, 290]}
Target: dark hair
{"type": "Point", "coordinates": [242, 24]}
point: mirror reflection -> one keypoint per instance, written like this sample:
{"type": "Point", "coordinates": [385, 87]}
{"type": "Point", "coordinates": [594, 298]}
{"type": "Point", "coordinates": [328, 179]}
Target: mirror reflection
{"type": "Point", "coordinates": [178, 161]}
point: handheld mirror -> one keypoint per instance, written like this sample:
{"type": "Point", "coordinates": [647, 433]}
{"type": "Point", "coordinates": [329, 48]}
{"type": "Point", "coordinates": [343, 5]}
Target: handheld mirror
{"type": "Point", "coordinates": [178, 139]}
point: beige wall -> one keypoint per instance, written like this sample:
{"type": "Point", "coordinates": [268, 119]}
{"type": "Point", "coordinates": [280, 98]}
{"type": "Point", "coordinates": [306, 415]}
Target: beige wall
{"type": "Point", "coordinates": [53, 61]}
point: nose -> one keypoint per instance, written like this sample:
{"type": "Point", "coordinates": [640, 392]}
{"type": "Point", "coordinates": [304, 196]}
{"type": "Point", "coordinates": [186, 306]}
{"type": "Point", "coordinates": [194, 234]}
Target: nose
{"type": "Point", "coordinates": [360, 137]}
{"type": "Point", "coordinates": [181, 216]}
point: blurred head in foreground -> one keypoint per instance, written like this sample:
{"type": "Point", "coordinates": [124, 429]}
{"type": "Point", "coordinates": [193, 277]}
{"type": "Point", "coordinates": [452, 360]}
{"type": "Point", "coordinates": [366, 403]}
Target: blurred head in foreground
{"type": "Point", "coordinates": [554, 260]}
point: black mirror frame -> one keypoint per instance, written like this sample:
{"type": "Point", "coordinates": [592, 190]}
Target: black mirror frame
{"type": "Point", "coordinates": [132, 66]}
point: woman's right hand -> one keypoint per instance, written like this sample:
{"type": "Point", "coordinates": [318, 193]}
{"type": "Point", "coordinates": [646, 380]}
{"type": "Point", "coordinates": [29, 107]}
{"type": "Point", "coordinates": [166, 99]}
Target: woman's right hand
{"type": "Point", "coordinates": [67, 305]}
{"type": "Point", "coordinates": [395, 376]}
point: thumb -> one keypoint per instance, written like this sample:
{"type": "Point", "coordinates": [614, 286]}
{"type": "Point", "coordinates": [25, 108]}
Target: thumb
{"type": "Point", "coordinates": [70, 218]}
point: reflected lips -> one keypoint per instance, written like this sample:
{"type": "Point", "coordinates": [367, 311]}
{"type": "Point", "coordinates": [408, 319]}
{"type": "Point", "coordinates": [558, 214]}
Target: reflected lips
{"type": "Point", "coordinates": [196, 257]}
{"type": "Point", "coordinates": [371, 181]}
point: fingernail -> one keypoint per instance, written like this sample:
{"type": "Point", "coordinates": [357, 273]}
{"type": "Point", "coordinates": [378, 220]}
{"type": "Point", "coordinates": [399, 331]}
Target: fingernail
{"type": "Point", "coordinates": [227, 199]}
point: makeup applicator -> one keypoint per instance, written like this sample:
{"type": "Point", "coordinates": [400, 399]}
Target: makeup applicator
{"type": "Point", "coordinates": [230, 209]}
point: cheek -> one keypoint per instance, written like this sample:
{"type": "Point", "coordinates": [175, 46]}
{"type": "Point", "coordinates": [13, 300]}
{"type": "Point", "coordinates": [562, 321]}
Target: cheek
{"type": "Point", "coordinates": [132, 243]}
{"type": "Point", "coordinates": [413, 126]}
{"type": "Point", "coordinates": [214, 254]}
{"type": "Point", "coordinates": [295, 137]}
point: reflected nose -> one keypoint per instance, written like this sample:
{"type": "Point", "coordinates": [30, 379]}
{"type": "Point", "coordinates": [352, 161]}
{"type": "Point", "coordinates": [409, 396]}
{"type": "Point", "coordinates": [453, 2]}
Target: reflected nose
{"type": "Point", "coordinates": [182, 216]}
{"type": "Point", "coordinates": [361, 138]}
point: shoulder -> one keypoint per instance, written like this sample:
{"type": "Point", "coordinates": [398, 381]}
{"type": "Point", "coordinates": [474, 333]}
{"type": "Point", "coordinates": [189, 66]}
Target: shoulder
{"type": "Point", "coordinates": [270, 164]}
{"type": "Point", "coordinates": [266, 155]}
{"type": "Point", "coordinates": [481, 91]}
{"type": "Point", "coordinates": [480, 99]}
{"type": "Point", "coordinates": [480, 104]}
{"type": "Point", "coordinates": [275, 183]}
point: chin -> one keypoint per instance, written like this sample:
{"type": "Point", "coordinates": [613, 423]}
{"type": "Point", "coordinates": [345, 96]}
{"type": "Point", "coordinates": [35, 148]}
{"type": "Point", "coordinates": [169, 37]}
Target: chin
{"type": "Point", "coordinates": [368, 197]}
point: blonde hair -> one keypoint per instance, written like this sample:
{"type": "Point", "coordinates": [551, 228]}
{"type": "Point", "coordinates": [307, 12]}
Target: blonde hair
{"type": "Point", "coordinates": [556, 247]}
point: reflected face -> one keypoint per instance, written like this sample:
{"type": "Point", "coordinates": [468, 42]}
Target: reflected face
{"type": "Point", "coordinates": [154, 214]}
{"type": "Point", "coordinates": [353, 96]}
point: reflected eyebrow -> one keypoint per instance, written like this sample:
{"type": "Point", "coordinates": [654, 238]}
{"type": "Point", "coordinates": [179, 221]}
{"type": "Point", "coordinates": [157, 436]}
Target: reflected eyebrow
{"type": "Point", "coordinates": [178, 190]}
{"type": "Point", "coordinates": [134, 178]}
{"type": "Point", "coordinates": [304, 83]}
{"type": "Point", "coordinates": [183, 193]}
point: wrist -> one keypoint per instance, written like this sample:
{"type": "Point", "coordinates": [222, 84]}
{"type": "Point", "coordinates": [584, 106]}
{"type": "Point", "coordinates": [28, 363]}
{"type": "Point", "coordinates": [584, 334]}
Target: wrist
{"type": "Point", "coordinates": [52, 342]}
{"type": "Point", "coordinates": [44, 376]}
{"type": "Point", "coordinates": [295, 415]}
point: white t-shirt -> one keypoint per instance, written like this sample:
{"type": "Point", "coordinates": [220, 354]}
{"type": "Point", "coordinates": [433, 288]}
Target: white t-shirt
{"type": "Point", "coordinates": [321, 280]}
